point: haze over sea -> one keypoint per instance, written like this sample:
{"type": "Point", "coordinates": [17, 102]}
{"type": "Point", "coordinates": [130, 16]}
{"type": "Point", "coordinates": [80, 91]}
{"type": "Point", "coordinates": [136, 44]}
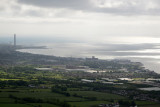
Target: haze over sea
{"type": "Point", "coordinates": [147, 53]}
{"type": "Point", "coordinates": [107, 29]}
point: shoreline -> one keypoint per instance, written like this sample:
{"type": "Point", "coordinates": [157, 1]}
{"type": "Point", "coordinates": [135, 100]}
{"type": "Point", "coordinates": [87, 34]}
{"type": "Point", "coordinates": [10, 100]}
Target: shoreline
{"type": "Point", "coordinates": [131, 59]}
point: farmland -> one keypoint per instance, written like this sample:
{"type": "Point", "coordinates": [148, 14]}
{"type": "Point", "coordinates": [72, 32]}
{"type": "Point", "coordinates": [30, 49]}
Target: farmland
{"type": "Point", "coordinates": [28, 87]}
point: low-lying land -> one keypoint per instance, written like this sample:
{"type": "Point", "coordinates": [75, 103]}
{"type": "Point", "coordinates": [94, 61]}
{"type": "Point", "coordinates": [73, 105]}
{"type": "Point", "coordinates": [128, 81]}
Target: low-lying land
{"type": "Point", "coordinates": [35, 88]}
{"type": "Point", "coordinates": [48, 81]}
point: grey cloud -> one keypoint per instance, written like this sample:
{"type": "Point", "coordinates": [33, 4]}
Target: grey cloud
{"type": "Point", "coordinates": [1, 9]}
{"type": "Point", "coordinates": [34, 13]}
{"type": "Point", "coordinates": [74, 4]}
{"type": "Point", "coordinates": [122, 7]}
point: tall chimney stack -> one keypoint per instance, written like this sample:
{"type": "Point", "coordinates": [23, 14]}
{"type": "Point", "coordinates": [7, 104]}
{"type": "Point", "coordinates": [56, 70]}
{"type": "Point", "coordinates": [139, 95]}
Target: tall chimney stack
{"type": "Point", "coordinates": [14, 40]}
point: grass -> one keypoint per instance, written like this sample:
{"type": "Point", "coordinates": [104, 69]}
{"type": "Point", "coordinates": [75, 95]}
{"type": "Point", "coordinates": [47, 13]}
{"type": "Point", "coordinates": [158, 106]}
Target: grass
{"type": "Point", "coordinates": [15, 105]}
{"type": "Point", "coordinates": [43, 105]}
{"type": "Point", "coordinates": [145, 103]}
{"type": "Point", "coordinates": [88, 103]}
{"type": "Point", "coordinates": [99, 95]}
{"type": "Point", "coordinates": [3, 79]}
{"type": "Point", "coordinates": [44, 94]}
{"type": "Point", "coordinates": [156, 105]}
{"type": "Point", "coordinates": [6, 100]}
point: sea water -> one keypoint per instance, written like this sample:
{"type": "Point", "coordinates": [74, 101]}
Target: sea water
{"type": "Point", "coordinates": [150, 57]}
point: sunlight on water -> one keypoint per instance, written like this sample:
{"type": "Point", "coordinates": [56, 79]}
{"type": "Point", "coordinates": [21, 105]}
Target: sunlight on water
{"type": "Point", "coordinates": [149, 57]}
{"type": "Point", "coordinates": [144, 51]}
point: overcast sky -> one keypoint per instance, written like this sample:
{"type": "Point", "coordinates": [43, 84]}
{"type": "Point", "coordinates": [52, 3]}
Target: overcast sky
{"type": "Point", "coordinates": [118, 21]}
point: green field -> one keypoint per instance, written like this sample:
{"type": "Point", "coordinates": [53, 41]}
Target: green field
{"type": "Point", "coordinates": [15, 105]}
{"type": "Point", "coordinates": [47, 95]}
{"type": "Point", "coordinates": [155, 105]}
{"type": "Point", "coordinates": [98, 95]}
{"type": "Point", "coordinates": [28, 105]}
{"type": "Point", "coordinates": [27, 87]}
{"type": "Point", "coordinates": [88, 103]}
{"type": "Point", "coordinates": [43, 94]}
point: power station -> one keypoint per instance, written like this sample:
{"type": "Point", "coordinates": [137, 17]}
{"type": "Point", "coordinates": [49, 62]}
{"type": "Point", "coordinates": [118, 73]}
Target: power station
{"type": "Point", "coordinates": [14, 40]}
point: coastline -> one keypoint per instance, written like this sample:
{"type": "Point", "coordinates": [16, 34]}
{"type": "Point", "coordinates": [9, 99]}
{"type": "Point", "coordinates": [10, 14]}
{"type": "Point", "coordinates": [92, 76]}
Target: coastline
{"type": "Point", "coordinates": [43, 51]}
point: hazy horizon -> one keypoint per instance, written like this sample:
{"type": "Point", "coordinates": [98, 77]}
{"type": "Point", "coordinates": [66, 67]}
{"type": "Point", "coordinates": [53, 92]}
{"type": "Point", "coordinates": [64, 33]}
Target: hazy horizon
{"type": "Point", "coordinates": [122, 21]}
{"type": "Point", "coordinates": [106, 27]}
